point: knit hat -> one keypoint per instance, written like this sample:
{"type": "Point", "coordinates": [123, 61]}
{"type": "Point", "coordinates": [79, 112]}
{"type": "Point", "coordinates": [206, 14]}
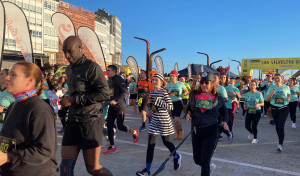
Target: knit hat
{"type": "Point", "coordinates": [161, 77]}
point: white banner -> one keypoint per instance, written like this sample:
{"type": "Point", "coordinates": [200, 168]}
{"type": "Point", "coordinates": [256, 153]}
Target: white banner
{"type": "Point", "coordinates": [176, 67]}
{"type": "Point", "coordinates": [189, 71]}
{"type": "Point", "coordinates": [133, 67]}
{"type": "Point", "coordinates": [2, 31]}
{"type": "Point", "coordinates": [17, 24]}
{"type": "Point", "coordinates": [92, 42]}
{"type": "Point", "coordinates": [159, 65]}
{"type": "Point", "coordinates": [63, 25]}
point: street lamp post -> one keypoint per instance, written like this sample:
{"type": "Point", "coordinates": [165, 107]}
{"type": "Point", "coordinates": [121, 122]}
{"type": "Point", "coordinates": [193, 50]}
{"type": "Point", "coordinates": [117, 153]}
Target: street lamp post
{"type": "Point", "coordinates": [215, 62]}
{"type": "Point", "coordinates": [239, 64]}
{"type": "Point", "coordinates": [149, 56]}
{"type": "Point", "coordinates": [206, 57]}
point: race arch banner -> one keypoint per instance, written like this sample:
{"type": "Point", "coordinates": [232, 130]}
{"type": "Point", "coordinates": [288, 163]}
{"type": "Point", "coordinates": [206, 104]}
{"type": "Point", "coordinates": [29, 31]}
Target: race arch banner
{"type": "Point", "coordinates": [17, 24]}
{"type": "Point", "coordinates": [92, 42]}
{"type": "Point", "coordinates": [63, 25]}
{"type": "Point", "coordinates": [269, 64]}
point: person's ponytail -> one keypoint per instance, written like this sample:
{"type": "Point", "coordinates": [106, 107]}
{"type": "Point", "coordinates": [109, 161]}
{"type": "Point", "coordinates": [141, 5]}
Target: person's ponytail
{"type": "Point", "coordinates": [41, 87]}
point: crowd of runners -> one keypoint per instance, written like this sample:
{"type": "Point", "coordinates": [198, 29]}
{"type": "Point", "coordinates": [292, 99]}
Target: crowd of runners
{"type": "Point", "coordinates": [91, 103]}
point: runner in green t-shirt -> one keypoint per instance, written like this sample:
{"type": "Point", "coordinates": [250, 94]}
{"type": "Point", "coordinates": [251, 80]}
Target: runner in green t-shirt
{"type": "Point", "coordinates": [279, 96]}
{"type": "Point", "coordinates": [295, 91]}
{"type": "Point", "coordinates": [253, 102]}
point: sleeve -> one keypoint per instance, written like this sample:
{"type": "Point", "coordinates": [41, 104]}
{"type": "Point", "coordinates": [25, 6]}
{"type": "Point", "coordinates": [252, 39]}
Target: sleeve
{"type": "Point", "coordinates": [123, 87]}
{"type": "Point", "coordinates": [99, 86]}
{"type": "Point", "coordinates": [288, 91]}
{"type": "Point", "coordinates": [164, 102]}
{"type": "Point", "coordinates": [269, 91]}
{"type": "Point", "coordinates": [42, 143]}
{"type": "Point", "coordinates": [188, 87]}
{"type": "Point", "coordinates": [223, 111]}
{"type": "Point", "coordinates": [261, 98]}
{"type": "Point", "coordinates": [168, 87]}
{"type": "Point", "coordinates": [191, 102]}
{"type": "Point", "coordinates": [263, 86]}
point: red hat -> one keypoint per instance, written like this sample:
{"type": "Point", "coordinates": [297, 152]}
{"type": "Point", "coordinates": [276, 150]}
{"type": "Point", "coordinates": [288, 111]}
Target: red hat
{"type": "Point", "coordinates": [104, 73]}
{"type": "Point", "coordinates": [174, 72]}
{"type": "Point", "coordinates": [127, 75]}
{"type": "Point", "coordinates": [270, 74]}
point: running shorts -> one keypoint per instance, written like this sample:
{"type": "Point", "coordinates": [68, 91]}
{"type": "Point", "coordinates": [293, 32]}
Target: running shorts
{"type": "Point", "coordinates": [177, 108]}
{"type": "Point", "coordinates": [86, 135]}
{"type": "Point", "coordinates": [133, 96]}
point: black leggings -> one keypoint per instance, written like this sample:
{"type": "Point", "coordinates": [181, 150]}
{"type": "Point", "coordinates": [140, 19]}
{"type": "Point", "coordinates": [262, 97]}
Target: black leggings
{"type": "Point", "coordinates": [113, 114]}
{"type": "Point", "coordinates": [204, 143]}
{"type": "Point", "coordinates": [242, 105]}
{"type": "Point", "coordinates": [252, 121]}
{"type": "Point", "coordinates": [293, 108]}
{"type": "Point", "coordinates": [151, 144]}
{"type": "Point", "coordinates": [280, 116]}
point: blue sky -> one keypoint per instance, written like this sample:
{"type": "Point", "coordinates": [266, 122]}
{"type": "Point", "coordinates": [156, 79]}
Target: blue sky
{"type": "Point", "coordinates": [224, 29]}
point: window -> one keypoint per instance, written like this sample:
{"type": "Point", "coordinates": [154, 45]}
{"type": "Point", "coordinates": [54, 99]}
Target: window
{"type": "Point", "coordinates": [6, 42]}
{"type": "Point", "coordinates": [45, 4]}
{"type": "Point", "coordinates": [39, 34]}
{"type": "Point", "coordinates": [32, 33]}
{"type": "Point", "coordinates": [12, 42]}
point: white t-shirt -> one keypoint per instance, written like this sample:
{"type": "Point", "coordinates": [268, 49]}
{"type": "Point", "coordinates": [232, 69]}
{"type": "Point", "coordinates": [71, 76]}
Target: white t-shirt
{"type": "Point", "coordinates": [54, 99]}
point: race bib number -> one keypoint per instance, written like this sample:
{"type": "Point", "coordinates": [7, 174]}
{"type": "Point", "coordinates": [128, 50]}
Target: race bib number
{"type": "Point", "coordinates": [207, 104]}
{"type": "Point", "coordinates": [131, 91]}
{"type": "Point", "coordinates": [242, 99]}
{"type": "Point", "coordinates": [7, 144]}
{"type": "Point", "coordinates": [111, 92]}
{"type": "Point", "coordinates": [154, 108]}
{"type": "Point", "coordinates": [175, 93]}
{"type": "Point", "coordinates": [252, 111]}
{"type": "Point", "coordinates": [279, 101]}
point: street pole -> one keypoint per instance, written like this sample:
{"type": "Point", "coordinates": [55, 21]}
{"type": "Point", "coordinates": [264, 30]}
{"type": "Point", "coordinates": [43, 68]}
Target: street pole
{"type": "Point", "coordinates": [215, 62]}
{"type": "Point", "coordinates": [149, 56]}
{"type": "Point", "coordinates": [206, 57]}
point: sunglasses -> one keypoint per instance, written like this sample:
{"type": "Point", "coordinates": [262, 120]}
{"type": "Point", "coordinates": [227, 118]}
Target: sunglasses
{"type": "Point", "coordinates": [206, 82]}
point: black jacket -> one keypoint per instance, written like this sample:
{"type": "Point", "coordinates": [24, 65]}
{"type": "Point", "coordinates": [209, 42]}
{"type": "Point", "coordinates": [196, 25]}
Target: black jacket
{"type": "Point", "coordinates": [88, 87]}
{"type": "Point", "coordinates": [210, 116]}
{"type": "Point", "coordinates": [118, 90]}
{"type": "Point", "coordinates": [31, 123]}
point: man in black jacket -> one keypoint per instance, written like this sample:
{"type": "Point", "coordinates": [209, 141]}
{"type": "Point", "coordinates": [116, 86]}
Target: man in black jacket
{"type": "Point", "coordinates": [117, 107]}
{"type": "Point", "coordinates": [87, 89]}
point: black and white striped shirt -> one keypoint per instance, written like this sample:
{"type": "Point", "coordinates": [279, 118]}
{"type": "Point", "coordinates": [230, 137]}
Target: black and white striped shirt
{"type": "Point", "coordinates": [161, 123]}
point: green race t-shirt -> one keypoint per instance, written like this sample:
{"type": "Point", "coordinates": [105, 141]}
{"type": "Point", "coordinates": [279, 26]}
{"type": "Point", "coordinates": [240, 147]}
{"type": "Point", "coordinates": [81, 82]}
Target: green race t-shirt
{"type": "Point", "coordinates": [237, 84]}
{"type": "Point", "coordinates": [294, 90]}
{"type": "Point", "coordinates": [229, 89]}
{"type": "Point", "coordinates": [187, 86]}
{"type": "Point", "coordinates": [223, 92]}
{"type": "Point", "coordinates": [253, 99]}
{"type": "Point", "coordinates": [280, 96]}
{"type": "Point", "coordinates": [176, 90]}
{"type": "Point", "coordinates": [266, 90]}
{"type": "Point", "coordinates": [131, 88]}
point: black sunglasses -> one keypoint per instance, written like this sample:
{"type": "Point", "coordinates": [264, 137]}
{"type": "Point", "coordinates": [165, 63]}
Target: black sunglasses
{"type": "Point", "coordinates": [206, 82]}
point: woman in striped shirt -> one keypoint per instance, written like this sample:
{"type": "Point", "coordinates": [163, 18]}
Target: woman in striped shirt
{"type": "Point", "coordinates": [160, 124]}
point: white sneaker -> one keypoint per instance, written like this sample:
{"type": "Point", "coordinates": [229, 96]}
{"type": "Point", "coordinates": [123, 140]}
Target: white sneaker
{"type": "Point", "coordinates": [293, 125]}
{"type": "Point", "coordinates": [250, 136]}
{"type": "Point", "coordinates": [254, 141]}
{"type": "Point", "coordinates": [212, 167]}
{"type": "Point", "coordinates": [279, 148]}
{"type": "Point", "coordinates": [265, 116]}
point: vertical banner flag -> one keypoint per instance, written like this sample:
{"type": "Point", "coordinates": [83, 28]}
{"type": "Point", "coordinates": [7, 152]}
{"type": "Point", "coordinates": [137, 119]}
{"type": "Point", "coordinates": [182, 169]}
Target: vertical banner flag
{"type": "Point", "coordinates": [92, 42]}
{"type": "Point", "coordinates": [201, 68]}
{"type": "Point", "coordinates": [17, 24]}
{"type": "Point", "coordinates": [239, 70]}
{"type": "Point", "coordinates": [63, 25]}
{"type": "Point", "coordinates": [189, 71]}
{"type": "Point", "coordinates": [176, 67]}
{"type": "Point", "coordinates": [2, 31]}
{"type": "Point", "coordinates": [133, 67]}
{"type": "Point", "coordinates": [159, 65]}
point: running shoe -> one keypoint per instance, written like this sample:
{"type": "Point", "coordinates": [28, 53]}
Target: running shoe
{"type": "Point", "coordinates": [177, 162]}
{"type": "Point", "coordinates": [279, 148]}
{"type": "Point", "coordinates": [136, 136]}
{"type": "Point", "coordinates": [293, 125]}
{"type": "Point", "coordinates": [212, 167]}
{"type": "Point", "coordinates": [142, 128]}
{"type": "Point", "coordinates": [143, 172]}
{"type": "Point", "coordinates": [230, 138]}
{"type": "Point", "coordinates": [61, 131]}
{"type": "Point", "coordinates": [254, 141]}
{"type": "Point", "coordinates": [110, 150]}
{"type": "Point", "coordinates": [250, 136]}
{"type": "Point", "coordinates": [265, 116]}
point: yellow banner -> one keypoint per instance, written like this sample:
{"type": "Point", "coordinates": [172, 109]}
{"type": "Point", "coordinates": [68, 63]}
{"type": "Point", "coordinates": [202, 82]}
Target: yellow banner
{"type": "Point", "coordinates": [269, 64]}
{"type": "Point", "coordinates": [267, 71]}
